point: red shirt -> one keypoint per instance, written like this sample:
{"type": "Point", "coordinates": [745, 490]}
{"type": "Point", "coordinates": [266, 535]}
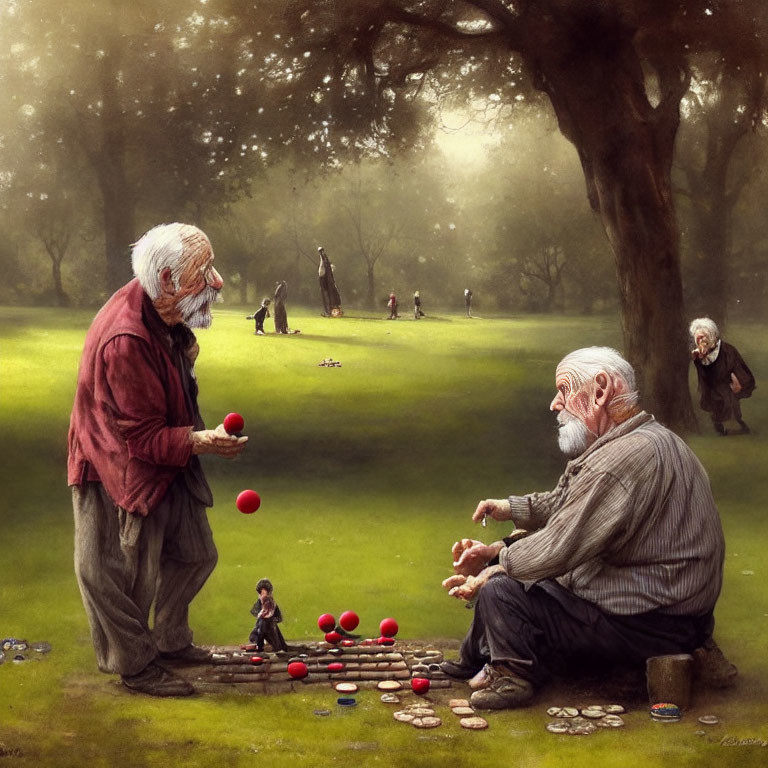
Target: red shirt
{"type": "Point", "coordinates": [130, 421]}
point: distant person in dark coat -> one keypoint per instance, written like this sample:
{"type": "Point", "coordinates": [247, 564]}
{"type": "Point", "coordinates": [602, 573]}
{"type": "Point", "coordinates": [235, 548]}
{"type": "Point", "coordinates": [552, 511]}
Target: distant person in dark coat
{"type": "Point", "coordinates": [259, 316]}
{"type": "Point", "coordinates": [281, 316]}
{"type": "Point", "coordinates": [468, 301]}
{"type": "Point", "coordinates": [328, 289]}
{"type": "Point", "coordinates": [724, 378]}
{"type": "Point", "coordinates": [268, 616]}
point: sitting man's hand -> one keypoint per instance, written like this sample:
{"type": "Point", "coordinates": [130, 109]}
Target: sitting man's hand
{"type": "Point", "coordinates": [471, 556]}
{"type": "Point", "coordinates": [498, 509]}
{"type": "Point", "coordinates": [217, 441]}
{"type": "Point", "coordinates": [467, 587]}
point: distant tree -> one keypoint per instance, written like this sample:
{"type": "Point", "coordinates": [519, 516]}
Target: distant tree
{"type": "Point", "coordinates": [614, 71]}
{"type": "Point", "coordinates": [725, 106]}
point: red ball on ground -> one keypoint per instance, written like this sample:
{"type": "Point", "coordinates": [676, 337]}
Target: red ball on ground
{"type": "Point", "coordinates": [386, 641]}
{"type": "Point", "coordinates": [388, 627]}
{"type": "Point", "coordinates": [298, 670]}
{"type": "Point", "coordinates": [248, 502]}
{"type": "Point", "coordinates": [332, 637]}
{"type": "Point", "coordinates": [348, 643]}
{"type": "Point", "coordinates": [257, 660]}
{"type": "Point", "coordinates": [335, 666]}
{"type": "Point", "coordinates": [326, 622]}
{"type": "Point", "coordinates": [419, 684]}
{"type": "Point", "coordinates": [233, 423]}
{"type": "Point", "coordinates": [349, 620]}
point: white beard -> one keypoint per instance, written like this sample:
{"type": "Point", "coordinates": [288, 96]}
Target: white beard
{"type": "Point", "coordinates": [573, 437]}
{"type": "Point", "coordinates": [196, 310]}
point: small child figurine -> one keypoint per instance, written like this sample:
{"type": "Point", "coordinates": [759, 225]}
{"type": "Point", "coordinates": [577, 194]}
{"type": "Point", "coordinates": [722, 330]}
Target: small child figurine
{"type": "Point", "coordinates": [259, 317]}
{"type": "Point", "coordinates": [268, 616]}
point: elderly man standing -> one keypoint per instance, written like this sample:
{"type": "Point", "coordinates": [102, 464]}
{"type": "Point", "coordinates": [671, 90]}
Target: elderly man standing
{"type": "Point", "coordinates": [724, 378]}
{"type": "Point", "coordinates": [139, 493]}
{"type": "Point", "coordinates": [625, 556]}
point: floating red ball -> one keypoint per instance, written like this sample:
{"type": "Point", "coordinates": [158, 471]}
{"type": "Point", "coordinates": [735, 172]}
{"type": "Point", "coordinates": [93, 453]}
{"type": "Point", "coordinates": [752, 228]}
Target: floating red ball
{"type": "Point", "coordinates": [388, 627]}
{"type": "Point", "coordinates": [248, 502]}
{"type": "Point", "coordinates": [298, 670]}
{"type": "Point", "coordinates": [349, 620]}
{"type": "Point", "coordinates": [335, 666]}
{"type": "Point", "coordinates": [419, 684]}
{"type": "Point", "coordinates": [332, 637]}
{"type": "Point", "coordinates": [233, 423]}
{"type": "Point", "coordinates": [326, 622]}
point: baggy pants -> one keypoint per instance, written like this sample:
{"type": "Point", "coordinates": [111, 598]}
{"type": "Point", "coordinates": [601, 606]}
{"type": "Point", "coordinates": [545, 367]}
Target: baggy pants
{"type": "Point", "coordinates": [124, 562]}
{"type": "Point", "coordinates": [546, 629]}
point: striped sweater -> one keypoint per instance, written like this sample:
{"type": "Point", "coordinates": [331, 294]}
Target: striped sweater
{"type": "Point", "coordinates": [631, 526]}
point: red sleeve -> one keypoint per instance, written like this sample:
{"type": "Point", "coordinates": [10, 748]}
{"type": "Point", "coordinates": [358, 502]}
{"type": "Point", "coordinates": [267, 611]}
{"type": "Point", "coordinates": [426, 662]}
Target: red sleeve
{"type": "Point", "coordinates": [138, 399]}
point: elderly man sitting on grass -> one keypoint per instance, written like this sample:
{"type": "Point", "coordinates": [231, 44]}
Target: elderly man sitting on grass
{"type": "Point", "coordinates": [624, 559]}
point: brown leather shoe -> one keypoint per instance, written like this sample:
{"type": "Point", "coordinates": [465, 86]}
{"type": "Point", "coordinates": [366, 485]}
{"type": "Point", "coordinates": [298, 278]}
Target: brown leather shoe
{"type": "Point", "coordinates": [192, 654]}
{"type": "Point", "coordinates": [153, 680]}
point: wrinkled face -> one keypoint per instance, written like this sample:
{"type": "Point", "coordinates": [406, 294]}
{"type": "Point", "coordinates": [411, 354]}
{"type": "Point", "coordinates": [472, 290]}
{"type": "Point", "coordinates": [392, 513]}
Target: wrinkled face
{"type": "Point", "coordinates": [198, 283]}
{"type": "Point", "coordinates": [576, 424]}
{"type": "Point", "coordinates": [704, 342]}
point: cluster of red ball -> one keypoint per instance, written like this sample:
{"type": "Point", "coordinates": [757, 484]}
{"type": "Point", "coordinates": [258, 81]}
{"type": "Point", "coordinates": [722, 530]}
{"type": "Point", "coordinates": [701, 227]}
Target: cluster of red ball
{"type": "Point", "coordinates": [348, 621]}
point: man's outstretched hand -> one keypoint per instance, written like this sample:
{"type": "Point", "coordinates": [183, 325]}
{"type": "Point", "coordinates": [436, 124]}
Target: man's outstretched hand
{"type": "Point", "coordinates": [471, 556]}
{"type": "Point", "coordinates": [498, 509]}
{"type": "Point", "coordinates": [217, 441]}
{"type": "Point", "coordinates": [467, 587]}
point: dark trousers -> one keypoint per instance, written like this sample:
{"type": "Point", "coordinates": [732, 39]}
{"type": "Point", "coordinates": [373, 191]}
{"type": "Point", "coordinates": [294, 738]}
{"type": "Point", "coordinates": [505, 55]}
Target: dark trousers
{"type": "Point", "coordinates": [267, 629]}
{"type": "Point", "coordinates": [546, 629]}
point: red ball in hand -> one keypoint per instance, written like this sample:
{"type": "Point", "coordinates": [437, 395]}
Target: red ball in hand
{"type": "Point", "coordinates": [233, 423]}
{"type": "Point", "coordinates": [332, 637]}
{"type": "Point", "coordinates": [388, 627]}
{"type": "Point", "coordinates": [298, 670]}
{"type": "Point", "coordinates": [349, 620]}
{"type": "Point", "coordinates": [248, 502]}
{"type": "Point", "coordinates": [419, 684]}
{"type": "Point", "coordinates": [326, 622]}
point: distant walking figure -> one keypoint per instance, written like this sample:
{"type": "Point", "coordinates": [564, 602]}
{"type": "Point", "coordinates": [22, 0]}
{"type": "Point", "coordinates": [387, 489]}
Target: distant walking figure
{"type": "Point", "coordinates": [259, 316]}
{"type": "Point", "coordinates": [392, 304]}
{"type": "Point", "coordinates": [417, 313]}
{"type": "Point", "coordinates": [468, 301]}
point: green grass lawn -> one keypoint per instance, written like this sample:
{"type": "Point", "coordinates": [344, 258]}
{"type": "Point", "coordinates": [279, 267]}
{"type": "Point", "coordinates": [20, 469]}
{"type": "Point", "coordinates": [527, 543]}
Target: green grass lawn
{"type": "Point", "coordinates": [367, 473]}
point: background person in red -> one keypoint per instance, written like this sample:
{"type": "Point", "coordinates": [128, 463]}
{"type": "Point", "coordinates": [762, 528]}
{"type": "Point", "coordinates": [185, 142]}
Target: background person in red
{"type": "Point", "coordinates": [138, 489]}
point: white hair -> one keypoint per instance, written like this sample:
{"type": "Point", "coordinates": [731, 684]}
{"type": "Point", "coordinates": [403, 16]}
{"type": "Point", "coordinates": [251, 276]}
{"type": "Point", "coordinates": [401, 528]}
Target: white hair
{"type": "Point", "coordinates": [584, 364]}
{"type": "Point", "coordinates": [706, 325]}
{"type": "Point", "coordinates": [161, 247]}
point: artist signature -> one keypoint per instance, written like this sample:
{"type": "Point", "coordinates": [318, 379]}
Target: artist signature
{"type": "Point", "coordinates": [733, 741]}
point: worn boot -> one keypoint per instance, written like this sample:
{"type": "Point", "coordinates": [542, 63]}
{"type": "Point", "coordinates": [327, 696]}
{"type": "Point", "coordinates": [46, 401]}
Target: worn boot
{"type": "Point", "coordinates": [153, 680]}
{"type": "Point", "coordinates": [504, 690]}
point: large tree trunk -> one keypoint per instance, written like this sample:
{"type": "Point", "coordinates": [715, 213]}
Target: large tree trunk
{"type": "Point", "coordinates": [62, 300]}
{"type": "Point", "coordinates": [625, 146]}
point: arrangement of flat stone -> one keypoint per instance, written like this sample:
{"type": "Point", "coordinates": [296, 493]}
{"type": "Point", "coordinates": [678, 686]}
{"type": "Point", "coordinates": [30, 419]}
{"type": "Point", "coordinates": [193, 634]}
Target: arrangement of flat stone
{"type": "Point", "coordinates": [236, 668]}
